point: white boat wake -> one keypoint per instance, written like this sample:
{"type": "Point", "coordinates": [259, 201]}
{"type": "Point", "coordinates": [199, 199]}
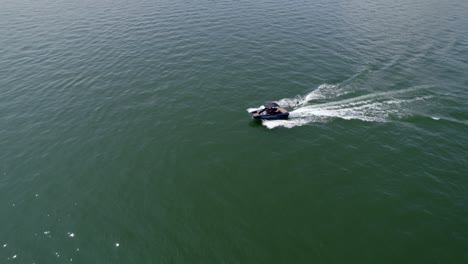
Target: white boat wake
{"type": "Point", "coordinates": [374, 107]}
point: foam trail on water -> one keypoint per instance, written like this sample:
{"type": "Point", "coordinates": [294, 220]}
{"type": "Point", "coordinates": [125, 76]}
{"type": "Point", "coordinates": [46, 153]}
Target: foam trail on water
{"type": "Point", "coordinates": [324, 91]}
{"type": "Point", "coordinates": [374, 107]}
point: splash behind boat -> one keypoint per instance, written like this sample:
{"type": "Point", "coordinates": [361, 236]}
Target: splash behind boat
{"type": "Point", "coordinates": [269, 111]}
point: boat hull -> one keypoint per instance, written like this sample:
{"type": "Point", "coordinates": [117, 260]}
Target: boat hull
{"type": "Point", "coordinates": [270, 117]}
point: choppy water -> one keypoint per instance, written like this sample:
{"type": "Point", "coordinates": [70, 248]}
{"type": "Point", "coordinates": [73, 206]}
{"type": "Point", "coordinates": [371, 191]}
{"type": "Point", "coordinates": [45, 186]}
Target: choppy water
{"type": "Point", "coordinates": [124, 136]}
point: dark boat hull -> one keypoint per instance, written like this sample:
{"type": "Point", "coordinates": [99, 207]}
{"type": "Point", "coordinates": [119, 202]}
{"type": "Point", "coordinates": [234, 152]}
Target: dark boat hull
{"type": "Point", "coordinates": [270, 117]}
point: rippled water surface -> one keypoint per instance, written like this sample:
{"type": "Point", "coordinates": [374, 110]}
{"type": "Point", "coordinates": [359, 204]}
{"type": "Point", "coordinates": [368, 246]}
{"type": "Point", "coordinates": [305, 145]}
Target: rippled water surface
{"type": "Point", "coordinates": [124, 136]}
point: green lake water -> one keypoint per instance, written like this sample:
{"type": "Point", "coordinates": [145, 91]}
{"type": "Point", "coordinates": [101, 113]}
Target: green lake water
{"type": "Point", "coordinates": [124, 135]}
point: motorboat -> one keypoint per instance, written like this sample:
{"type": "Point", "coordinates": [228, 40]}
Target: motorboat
{"type": "Point", "coordinates": [269, 111]}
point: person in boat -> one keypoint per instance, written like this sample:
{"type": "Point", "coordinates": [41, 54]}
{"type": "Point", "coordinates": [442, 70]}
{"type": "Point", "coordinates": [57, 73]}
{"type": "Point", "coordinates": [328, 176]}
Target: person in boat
{"type": "Point", "coordinates": [272, 111]}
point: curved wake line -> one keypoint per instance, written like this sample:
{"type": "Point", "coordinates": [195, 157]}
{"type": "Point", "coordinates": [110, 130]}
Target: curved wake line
{"type": "Point", "coordinates": [374, 107]}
